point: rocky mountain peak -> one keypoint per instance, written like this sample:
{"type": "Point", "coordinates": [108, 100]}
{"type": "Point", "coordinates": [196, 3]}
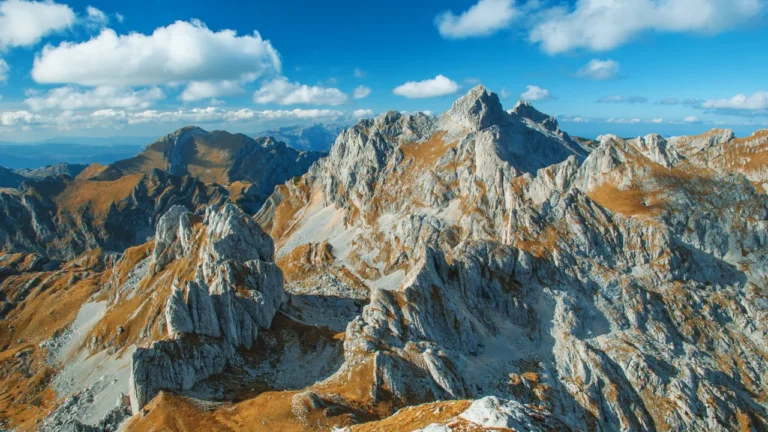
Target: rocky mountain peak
{"type": "Point", "coordinates": [187, 130]}
{"type": "Point", "coordinates": [691, 145]}
{"type": "Point", "coordinates": [656, 148]}
{"type": "Point", "coordinates": [271, 143]}
{"type": "Point", "coordinates": [388, 118]}
{"type": "Point", "coordinates": [477, 110]}
{"type": "Point", "coordinates": [527, 111]}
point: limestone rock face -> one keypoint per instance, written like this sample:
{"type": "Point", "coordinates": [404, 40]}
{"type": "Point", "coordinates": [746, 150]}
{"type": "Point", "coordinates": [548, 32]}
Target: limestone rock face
{"type": "Point", "coordinates": [236, 290]}
{"type": "Point", "coordinates": [175, 365]}
{"type": "Point", "coordinates": [477, 110]}
{"type": "Point", "coordinates": [619, 286]}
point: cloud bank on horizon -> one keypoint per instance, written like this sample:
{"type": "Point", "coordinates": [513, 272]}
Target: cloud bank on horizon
{"type": "Point", "coordinates": [65, 69]}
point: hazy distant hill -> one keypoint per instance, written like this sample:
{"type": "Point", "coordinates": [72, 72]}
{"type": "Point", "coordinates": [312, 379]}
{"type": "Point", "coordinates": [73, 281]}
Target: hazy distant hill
{"type": "Point", "coordinates": [318, 137]}
{"type": "Point", "coordinates": [9, 179]}
{"type": "Point", "coordinates": [71, 170]}
{"type": "Point", "coordinates": [18, 156]}
{"type": "Point", "coordinates": [90, 141]}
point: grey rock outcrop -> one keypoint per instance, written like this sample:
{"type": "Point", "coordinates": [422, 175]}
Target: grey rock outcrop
{"type": "Point", "coordinates": [491, 413]}
{"type": "Point", "coordinates": [237, 290]}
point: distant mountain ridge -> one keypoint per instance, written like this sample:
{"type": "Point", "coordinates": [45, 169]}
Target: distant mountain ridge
{"type": "Point", "coordinates": [37, 155]}
{"type": "Point", "coordinates": [218, 157]}
{"type": "Point", "coordinates": [116, 206]}
{"type": "Point", "coordinates": [318, 137]}
{"type": "Point", "coordinates": [71, 170]}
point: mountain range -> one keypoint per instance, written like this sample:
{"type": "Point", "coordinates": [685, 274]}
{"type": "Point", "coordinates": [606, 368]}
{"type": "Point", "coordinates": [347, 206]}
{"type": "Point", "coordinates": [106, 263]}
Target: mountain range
{"type": "Point", "coordinates": [318, 137]}
{"type": "Point", "coordinates": [479, 270]}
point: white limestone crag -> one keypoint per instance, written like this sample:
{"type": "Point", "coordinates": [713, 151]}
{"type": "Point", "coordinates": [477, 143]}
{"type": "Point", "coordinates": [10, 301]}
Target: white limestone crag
{"type": "Point", "coordinates": [491, 412]}
{"type": "Point", "coordinates": [619, 286]}
{"type": "Point", "coordinates": [237, 290]}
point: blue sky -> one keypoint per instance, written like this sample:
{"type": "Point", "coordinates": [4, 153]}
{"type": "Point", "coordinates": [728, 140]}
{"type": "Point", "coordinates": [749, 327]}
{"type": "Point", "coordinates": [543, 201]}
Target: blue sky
{"type": "Point", "coordinates": [145, 68]}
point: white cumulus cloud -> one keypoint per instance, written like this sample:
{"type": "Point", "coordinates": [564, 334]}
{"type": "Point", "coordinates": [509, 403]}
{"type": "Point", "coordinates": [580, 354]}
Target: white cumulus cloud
{"type": "Point", "coordinates": [600, 70]}
{"type": "Point", "coordinates": [362, 113]}
{"type": "Point", "coordinates": [755, 102]}
{"type": "Point", "coordinates": [623, 99]}
{"type": "Point", "coordinates": [437, 86]}
{"type": "Point", "coordinates": [71, 98]}
{"type": "Point", "coordinates": [197, 90]}
{"type": "Point", "coordinates": [361, 92]}
{"type": "Point", "coordinates": [4, 68]}
{"type": "Point", "coordinates": [283, 92]}
{"type": "Point", "coordinates": [482, 19]}
{"type": "Point", "coordinates": [181, 52]}
{"type": "Point", "coordinates": [16, 118]}
{"type": "Point", "coordinates": [623, 120]}
{"type": "Point", "coordinates": [118, 118]}
{"type": "Point", "coordinates": [25, 23]}
{"type": "Point", "coordinates": [575, 119]}
{"type": "Point", "coordinates": [221, 115]}
{"type": "Point", "coordinates": [534, 93]}
{"type": "Point", "coordinates": [95, 17]}
{"type": "Point", "coordinates": [601, 25]}
{"type": "Point", "coordinates": [692, 119]}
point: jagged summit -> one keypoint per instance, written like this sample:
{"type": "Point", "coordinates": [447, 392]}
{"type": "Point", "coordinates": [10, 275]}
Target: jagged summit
{"type": "Point", "coordinates": [476, 110]}
{"type": "Point", "coordinates": [230, 290]}
{"type": "Point", "coordinates": [525, 110]}
{"type": "Point", "coordinates": [404, 164]}
{"type": "Point", "coordinates": [502, 257]}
